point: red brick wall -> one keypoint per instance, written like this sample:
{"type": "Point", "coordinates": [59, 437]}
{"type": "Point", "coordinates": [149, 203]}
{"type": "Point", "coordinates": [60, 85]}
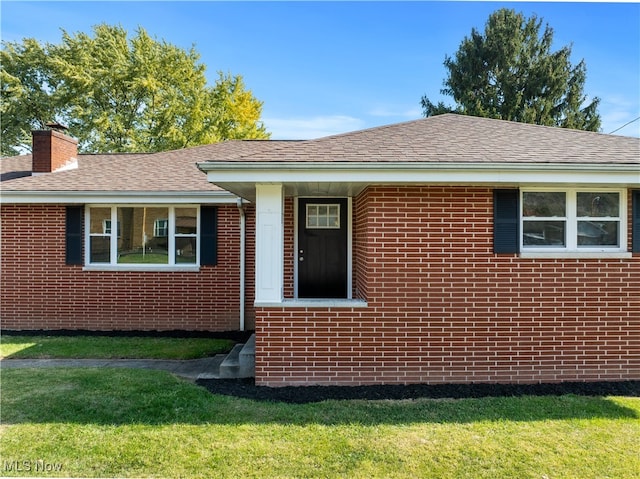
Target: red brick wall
{"type": "Point", "coordinates": [442, 307]}
{"type": "Point", "coordinates": [40, 292]}
{"type": "Point", "coordinates": [52, 150]}
{"type": "Point", "coordinates": [289, 253]}
{"type": "Point", "coordinates": [361, 247]}
{"type": "Point", "coordinates": [250, 268]}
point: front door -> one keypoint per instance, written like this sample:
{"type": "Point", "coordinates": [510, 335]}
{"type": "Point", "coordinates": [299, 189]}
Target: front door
{"type": "Point", "coordinates": [322, 247]}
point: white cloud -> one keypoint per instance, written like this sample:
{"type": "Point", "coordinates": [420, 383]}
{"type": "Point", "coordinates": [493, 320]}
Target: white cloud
{"type": "Point", "coordinates": [615, 112]}
{"type": "Point", "coordinates": [314, 127]}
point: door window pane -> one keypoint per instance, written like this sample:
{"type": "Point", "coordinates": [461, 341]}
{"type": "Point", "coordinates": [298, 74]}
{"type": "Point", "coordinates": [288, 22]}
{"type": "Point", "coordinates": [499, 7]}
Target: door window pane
{"type": "Point", "coordinates": [323, 216]}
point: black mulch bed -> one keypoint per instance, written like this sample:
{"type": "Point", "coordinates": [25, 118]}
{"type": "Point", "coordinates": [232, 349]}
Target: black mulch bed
{"type": "Point", "coordinates": [238, 336]}
{"type": "Point", "coordinates": [245, 388]}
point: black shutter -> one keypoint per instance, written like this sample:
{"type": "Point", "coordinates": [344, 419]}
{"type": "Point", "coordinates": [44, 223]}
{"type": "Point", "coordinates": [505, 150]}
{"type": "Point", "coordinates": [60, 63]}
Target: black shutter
{"type": "Point", "coordinates": [506, 221]}
{"type": "Point", "coordinates": [635, 221]}
{"type": "Point", "coordinates": [208, 235]}
{"type": "Point", "coordinates": [73, 253]}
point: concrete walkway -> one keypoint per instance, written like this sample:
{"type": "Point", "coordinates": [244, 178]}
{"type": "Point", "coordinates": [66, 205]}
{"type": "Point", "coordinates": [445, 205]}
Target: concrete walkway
{"type": "Point", "coordinates": [193, 369]}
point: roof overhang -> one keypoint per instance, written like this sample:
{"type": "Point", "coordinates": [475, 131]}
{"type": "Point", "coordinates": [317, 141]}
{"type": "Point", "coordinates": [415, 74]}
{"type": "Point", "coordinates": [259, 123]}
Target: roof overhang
{"type": "Point", "coordinates": [350, 178]}
{"type": "Point", "coordinates": [116, 197]}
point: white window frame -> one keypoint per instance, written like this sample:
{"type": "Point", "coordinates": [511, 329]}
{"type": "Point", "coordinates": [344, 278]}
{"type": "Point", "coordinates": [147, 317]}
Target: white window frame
{"type": "Point", "coordinates": [161, 228]}
{"type": "Point", "coordinates": [571, 220]}
{"type": "Point", "coordinates": [317, 216]}
{"type": "Point", "coordinates": [106, 228]}
{"type": "Point", "coordinates": [113, 263]}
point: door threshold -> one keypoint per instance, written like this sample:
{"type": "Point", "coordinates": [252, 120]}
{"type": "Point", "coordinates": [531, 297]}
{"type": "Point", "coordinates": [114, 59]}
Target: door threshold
{"type": "Point", "coordinates": [314, 303]}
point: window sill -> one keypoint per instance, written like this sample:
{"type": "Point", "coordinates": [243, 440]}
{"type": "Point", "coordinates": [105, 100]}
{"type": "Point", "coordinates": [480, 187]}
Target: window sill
{"type": "Point", "coordinates": [145, 269]}
{"type": "Point", "coordinates": [314, 303]}
{"type": "Point", "coordinates": [576, 255]}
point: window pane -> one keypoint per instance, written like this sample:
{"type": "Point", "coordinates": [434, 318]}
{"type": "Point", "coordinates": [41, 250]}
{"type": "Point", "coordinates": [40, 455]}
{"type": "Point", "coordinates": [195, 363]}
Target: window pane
{"type": "Point", "coordinates": [186, 221]}
{"type": "Point", "coordinates": [100, 249]}
{"type": "Point", "coordinates": [185, 250]}
{"type": "Point", "coordinates": [161, 228]}
{"type": "Point", "coordinates": [543, 233]}
{"type": "Point", "coordinates": [137, 242]}
{"type": "Point", "coordinates": [544, 204]}
{"type": "Point", "coordinates": [598, 205]}
{"type": "Point", "coordinates": [323, 216]}
{"type": "Point", "coordinates": [100, 219]}
{"type": "Point", "coordinates": [598, 233]}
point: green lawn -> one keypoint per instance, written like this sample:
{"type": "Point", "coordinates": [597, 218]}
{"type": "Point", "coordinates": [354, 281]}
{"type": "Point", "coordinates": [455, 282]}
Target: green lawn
{"type": "Point", "coordinates": [124, 423]}
{"type": "Point", "coordinates": [104, 347]}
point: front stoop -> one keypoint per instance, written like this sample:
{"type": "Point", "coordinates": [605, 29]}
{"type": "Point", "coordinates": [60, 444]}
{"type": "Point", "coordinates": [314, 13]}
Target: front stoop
{"type": "Point", "coordinates": [240, 362]}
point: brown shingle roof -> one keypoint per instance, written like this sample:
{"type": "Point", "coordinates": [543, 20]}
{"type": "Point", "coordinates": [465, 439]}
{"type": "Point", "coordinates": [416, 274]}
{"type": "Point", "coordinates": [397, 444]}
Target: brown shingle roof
{"type": "Point", "coordinates": [456, 138]}
{"type": "Point", "coordinates": [171, 171]}
{"type": "Point", "coordinates": [440, 139]}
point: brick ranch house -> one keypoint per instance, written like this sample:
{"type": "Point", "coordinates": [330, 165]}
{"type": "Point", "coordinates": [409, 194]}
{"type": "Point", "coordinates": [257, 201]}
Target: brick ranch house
{"type": "Point", "coordinates": [447, 249]}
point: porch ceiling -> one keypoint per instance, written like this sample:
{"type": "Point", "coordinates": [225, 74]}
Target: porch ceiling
{"type": "Point", "coordinates": [334, 188]}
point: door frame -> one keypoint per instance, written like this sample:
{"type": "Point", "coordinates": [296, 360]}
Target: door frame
{"type": "Point", "coordinates": [349, 242]}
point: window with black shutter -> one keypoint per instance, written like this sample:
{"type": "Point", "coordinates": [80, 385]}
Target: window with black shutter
{"type": "Point", "coordinates": [506, 221]}
{"type": "Point", "coordinates": [151, 236]}
{"type": "Point", "coordinates": [208, 235]}
{"type": "Point", "coordinates": [74, 217]}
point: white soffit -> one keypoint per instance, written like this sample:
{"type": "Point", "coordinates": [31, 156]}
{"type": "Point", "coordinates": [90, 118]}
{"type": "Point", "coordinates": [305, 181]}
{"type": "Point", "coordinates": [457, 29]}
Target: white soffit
{"type": "Point", "coordinates": [350, 178]}
{"type": "Point", "coordinates": [115, 197]}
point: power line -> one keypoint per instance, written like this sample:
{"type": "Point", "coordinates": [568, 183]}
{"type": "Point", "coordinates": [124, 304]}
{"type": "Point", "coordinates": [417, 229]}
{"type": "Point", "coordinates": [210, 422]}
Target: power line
{"type": "Point", "coordinates": [626, 124]}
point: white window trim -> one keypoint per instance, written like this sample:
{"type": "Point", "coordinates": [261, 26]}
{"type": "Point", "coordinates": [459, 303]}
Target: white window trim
{"type": "Point", "coordinates": [317, 216]}
{"type": "Point", "coordinates": [159, 227]}
{"type": "Point", "coordinates": [571, 220]}
{"type": "Point", "coordinates": [113, 264]}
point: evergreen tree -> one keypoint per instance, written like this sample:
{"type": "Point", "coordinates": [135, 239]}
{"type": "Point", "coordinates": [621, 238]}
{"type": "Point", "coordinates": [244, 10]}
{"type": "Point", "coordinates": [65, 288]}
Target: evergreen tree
{"type": "Point", "coordinates": [509, 72]}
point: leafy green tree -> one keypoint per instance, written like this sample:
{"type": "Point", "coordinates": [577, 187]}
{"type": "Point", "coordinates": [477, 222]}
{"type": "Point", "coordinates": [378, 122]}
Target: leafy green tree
{"type": "Point", "coordinates": [121, 94]}
{"type": "Point", "coordinates": [509, 72]}
{"type": "Point", "coordinates": [27, 98]}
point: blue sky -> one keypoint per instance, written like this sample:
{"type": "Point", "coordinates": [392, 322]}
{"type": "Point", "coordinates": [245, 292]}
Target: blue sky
{"type": "Point", "coordinates": [329, 67]}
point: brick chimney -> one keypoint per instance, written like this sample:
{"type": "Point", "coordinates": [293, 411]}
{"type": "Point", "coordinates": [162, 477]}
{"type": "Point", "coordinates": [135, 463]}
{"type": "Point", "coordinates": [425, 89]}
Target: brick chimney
{"type": "Point", "coordinates": [52, 150]}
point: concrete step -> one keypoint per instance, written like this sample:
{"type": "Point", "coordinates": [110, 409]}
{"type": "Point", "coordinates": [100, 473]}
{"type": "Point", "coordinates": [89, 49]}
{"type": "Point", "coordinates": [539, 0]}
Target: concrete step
{"type": "Point", "coordinates": [240, 362]}
{"type": "Point", "coordinates": [230, 367]}
{"type": "Point", "coordinates": [248, 358]}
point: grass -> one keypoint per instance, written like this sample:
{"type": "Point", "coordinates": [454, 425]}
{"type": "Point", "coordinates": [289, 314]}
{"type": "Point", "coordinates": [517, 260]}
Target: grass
{"type": "Point", "coordinates": [123, 423]}
{"type": "Point", "coordinates": [104, 347]}
{"type": "Point", "coordinates": [147, 258]}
